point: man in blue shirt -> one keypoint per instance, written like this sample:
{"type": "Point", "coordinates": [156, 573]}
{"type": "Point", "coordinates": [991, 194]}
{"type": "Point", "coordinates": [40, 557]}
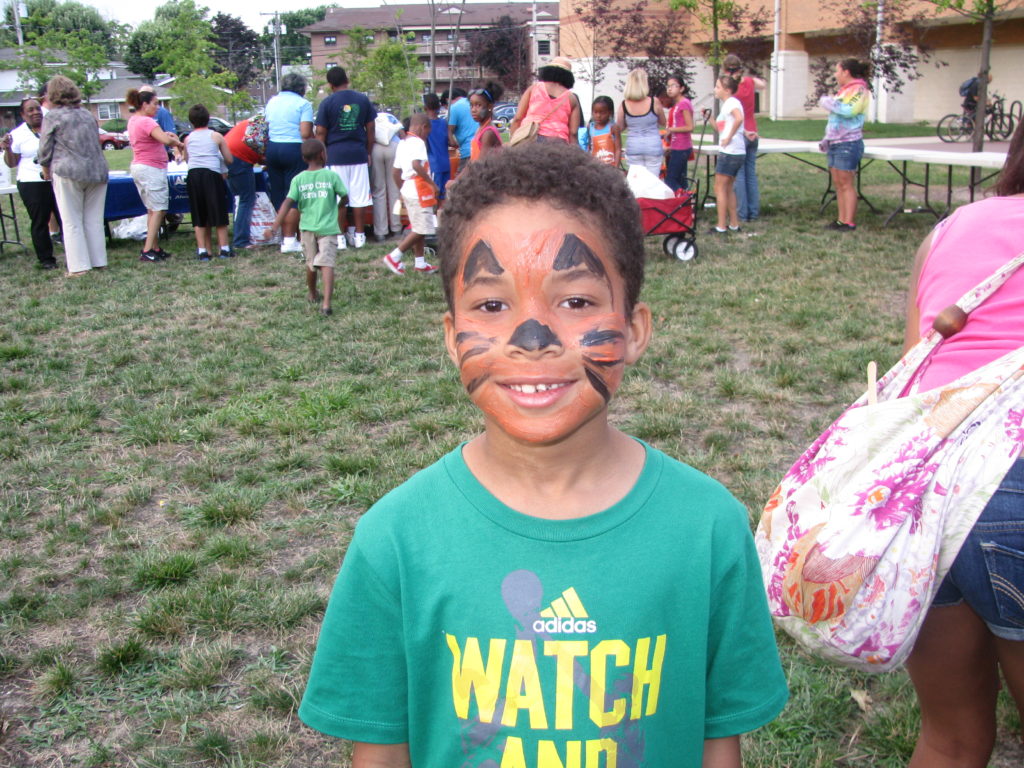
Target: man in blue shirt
{"type": "Point", "coordinates": [344, 123]}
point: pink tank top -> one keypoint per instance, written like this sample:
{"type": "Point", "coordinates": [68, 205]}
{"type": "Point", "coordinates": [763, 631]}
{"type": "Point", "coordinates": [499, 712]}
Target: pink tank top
{"type": "Point", "coordinates": [967, 247]}
{"type": "Point", "coordinates": [557, 110]}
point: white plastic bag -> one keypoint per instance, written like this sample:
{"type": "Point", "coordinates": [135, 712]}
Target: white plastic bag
{"type": "Point", "coordinates": [261, 226]}
{"type": "Point", "coordinates": [130, 229]}
{"type": "Point", "coordinates": [643, 183]}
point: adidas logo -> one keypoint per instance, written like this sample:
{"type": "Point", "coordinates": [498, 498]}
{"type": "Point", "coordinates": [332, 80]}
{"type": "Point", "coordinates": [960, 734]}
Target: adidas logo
{"type": "Point", "coordinates": [566, 614]}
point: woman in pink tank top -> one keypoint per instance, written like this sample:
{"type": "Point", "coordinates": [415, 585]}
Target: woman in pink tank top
{"type": "Point", "coordinates": [551, 104]}
{"type": "Point", "coordinates": [975, 625]}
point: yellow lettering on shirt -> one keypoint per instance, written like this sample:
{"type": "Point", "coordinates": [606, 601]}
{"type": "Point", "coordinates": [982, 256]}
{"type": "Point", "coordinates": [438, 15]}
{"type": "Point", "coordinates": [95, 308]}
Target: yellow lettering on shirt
{"type": "Point", "coordinates": [649, 676]}
{"type": "Point", "coordinates": [470, 675]}
{"type": "Point", "coordinates": [523, 690]}
{"type": "Point", "coordinates": [548, 757]}
{"type": "Point", "coordinates": [565, 652]}
{"type": "Point", "coordinates": [607, 747]}
{"type": "Point", "coordinates": [512, 756]}
{"type": "Point", "coordinates": [618, 651]}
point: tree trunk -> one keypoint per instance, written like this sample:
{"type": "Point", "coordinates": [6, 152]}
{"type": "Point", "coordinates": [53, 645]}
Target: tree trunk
{"type": "Point", "coordinates": [978, 140]}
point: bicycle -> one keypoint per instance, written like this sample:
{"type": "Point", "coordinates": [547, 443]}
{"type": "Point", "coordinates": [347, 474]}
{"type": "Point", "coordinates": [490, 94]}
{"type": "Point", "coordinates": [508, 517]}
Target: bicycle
{"type": "Point", "coordinates": [999, 123]}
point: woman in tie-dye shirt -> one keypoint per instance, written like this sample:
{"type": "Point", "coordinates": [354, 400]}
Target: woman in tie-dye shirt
{"type": "Point", "coordinates": [844, 139]}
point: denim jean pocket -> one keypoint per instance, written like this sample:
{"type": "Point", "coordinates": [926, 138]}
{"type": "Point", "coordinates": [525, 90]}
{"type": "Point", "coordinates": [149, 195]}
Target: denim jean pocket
{"type": "Point", "coordinates": [1006, 575]}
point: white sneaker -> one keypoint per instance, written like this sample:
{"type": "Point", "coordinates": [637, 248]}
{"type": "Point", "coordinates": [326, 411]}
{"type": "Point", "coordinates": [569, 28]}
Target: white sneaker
{"type": "Point", "coordinates": [291, 247]}
{"type": "Point", "coordinates": [342, 245]}
{"type": "Point", "coordinates": [359, 240]}
{"type": "Point", "coordinates": [351, 237]}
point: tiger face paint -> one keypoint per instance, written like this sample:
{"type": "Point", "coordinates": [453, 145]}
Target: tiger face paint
{"type": "Point", "coordinates": [538, 326]}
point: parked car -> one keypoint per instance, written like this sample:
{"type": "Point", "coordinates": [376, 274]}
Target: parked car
{"type": "Point", "coordinates": [504, 112]}
{"type": "Point", "coordinates": [110, 140]}
{"type": "Point", "coordinates": [183, 127]}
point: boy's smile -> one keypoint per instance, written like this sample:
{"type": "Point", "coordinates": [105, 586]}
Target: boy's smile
{"type": "Point", "coordinates": [538, 326]}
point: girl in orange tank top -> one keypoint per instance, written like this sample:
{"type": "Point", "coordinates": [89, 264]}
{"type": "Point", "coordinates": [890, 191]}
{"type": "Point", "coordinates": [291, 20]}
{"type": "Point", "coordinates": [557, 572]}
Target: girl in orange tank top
{"type": "Point", "coordinates": [481, 106]}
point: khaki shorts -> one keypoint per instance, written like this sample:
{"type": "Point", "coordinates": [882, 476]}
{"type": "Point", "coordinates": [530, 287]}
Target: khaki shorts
{"type": "Point", "coordinates": [152, 185]}
{"type": "Point", "coordinates": [320, 250]}
{"type": "Point", "coordinates": [421, 220]}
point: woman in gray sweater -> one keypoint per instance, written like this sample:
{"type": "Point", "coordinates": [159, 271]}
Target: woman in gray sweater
{"type": "Point", "coordinates": [70, 153]}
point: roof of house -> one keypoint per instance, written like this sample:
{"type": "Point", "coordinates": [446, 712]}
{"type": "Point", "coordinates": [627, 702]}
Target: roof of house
{"type": "Point", "coordinates": [384, 17]}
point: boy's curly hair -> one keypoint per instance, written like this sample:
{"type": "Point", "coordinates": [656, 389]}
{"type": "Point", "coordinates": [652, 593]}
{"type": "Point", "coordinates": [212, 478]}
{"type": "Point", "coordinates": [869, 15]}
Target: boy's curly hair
{"type": "Point", "coordinates": [562, 176]}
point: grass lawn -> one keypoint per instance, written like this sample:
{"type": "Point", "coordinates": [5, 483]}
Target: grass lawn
{"type": "Point", "coordinates": [185, 449]}
{"type": "Point", "coordinates": [812, 130]}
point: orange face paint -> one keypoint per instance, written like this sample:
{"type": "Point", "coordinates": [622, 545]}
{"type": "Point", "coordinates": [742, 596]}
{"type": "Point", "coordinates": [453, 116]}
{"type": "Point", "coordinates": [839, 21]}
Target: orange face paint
{"type": "Point", "coordinates": [538, 326]}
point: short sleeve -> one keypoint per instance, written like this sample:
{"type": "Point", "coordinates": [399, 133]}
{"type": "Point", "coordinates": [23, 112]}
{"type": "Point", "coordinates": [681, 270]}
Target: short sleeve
{"type": "Point", "coordinates": [321, 113]}
{"type": "Point", "coordinates": [746, 687]}
{"type": "Point", "coordinates": [371, 114]}
{"type": "Point", "coordinates": [357, 685]}
{"type": "Point", "coordinates": [293, 189]}
{"type": "Point", "coordinates": [305, 112]}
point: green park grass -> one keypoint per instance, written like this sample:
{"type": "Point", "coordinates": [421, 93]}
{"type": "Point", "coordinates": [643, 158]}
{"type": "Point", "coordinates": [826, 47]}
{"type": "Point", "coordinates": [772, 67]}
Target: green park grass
{"type": "Point", "coordinates": [185, 449]}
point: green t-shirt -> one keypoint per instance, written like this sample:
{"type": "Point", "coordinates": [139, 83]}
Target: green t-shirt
{"type": "Point", "coordinates": [477, 633]}
{"type": "Point", "coordinates": [316, 195]}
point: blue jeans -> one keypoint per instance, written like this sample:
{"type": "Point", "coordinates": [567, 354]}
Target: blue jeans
{"type": "Point", "coordinates": [284, 163]}
{"type": "Point", "coordinates": [748, 196]}
{"type": "Point", "coordinates": [988, 573]}
{"type": "Point", "coordinates": [675, 174]}
{"type": "Point", "coordinates": [242, 184]}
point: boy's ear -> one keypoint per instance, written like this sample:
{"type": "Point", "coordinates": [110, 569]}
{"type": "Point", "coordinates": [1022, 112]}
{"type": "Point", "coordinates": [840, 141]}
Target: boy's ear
{"type": "Point", "coordinates": [640, 329]}
{"type": "Point", "coordinates": [449, 338]}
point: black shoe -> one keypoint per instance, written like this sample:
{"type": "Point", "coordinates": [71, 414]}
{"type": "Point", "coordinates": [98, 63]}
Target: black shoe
{"type": "Point", "coordinates": [150, 256]}
{"type": "Point", "coordinates": [717, 231]}
{"type": "Point", "coordinates": [226, 253]}
{"type": "Point", "coordinates": [326, 311]}
{"type": "Point", "coordinates": [161, 254]}
{"type": "Point", "coordinates": [47, 265]}
{"type": "Point", "coordinates": [57, 238]}
{"type": "Point", "coordinates": [839, 226]}
{"type": "Point", "coordinates": [203, 256]}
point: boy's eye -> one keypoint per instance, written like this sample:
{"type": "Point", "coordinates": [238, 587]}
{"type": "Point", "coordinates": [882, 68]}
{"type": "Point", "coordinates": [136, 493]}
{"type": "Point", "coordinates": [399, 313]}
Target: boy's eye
{"type": "Point", "coordinates": [576, 302]}
{"type": "Point", "coordinates": [492, 305]}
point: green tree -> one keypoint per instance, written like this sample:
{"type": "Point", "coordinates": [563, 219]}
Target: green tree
{"type": "Point", "coordinates": [387, 74]}
{"type": "Point", "coordinates": [295, 46]}
{"type": "Point", "coordinates": [46, 16]}
{"type": "Point", "coordinates": [179, 41]}
{"type": "Point", "coordinates": [48, 42]}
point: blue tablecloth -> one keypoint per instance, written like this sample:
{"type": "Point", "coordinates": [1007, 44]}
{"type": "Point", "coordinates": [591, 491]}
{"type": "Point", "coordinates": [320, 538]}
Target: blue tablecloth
{"type": "Point", "coordinates": [123, 201]}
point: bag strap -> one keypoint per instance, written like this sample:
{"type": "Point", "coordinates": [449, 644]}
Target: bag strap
{"type": "Point", "coordinates": [553, 109]}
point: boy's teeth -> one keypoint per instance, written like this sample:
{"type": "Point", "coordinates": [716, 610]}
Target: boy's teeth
{"type": "Point", "coordinates": [530, 389]}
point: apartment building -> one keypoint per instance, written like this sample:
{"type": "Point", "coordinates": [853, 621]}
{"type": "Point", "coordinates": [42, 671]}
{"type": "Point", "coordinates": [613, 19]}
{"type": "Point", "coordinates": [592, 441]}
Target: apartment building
{"type": "Point", "coordinates": [800, 32]}
{"type": "Point", "coordinates": [440, 31]}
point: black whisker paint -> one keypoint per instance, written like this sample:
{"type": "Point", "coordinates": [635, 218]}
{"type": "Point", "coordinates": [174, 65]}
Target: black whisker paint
{"type": "Point", "coordinates": [597, 338]}
{"type": "Point", "coordinates": [473, 353]}
{"type": "Point", "coordinates": [605, 363]}
{"type": "Point", "coordinates": [475, 383]}
{"type": "Point", "coordinates": [598, 383]}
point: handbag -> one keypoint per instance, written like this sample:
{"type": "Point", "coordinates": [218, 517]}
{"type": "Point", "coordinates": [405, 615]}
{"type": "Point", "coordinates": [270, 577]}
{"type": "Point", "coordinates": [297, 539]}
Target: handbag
{"type": "Point", "coordinates": [862, 529]}
{"type": "Point", "coordinates": [528, 132]}
{"type": "Point", "coordinates": [257, 134]}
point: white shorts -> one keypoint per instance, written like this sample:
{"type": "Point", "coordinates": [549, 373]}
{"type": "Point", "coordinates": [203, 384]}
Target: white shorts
{"type": "Point", "coordinates": [152, 185]}
{"type": "Point", "coordinates": [356, 179]}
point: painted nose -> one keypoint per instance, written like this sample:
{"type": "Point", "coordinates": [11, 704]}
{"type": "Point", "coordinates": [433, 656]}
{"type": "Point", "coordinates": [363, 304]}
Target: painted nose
{"type": "Point", "coordinates": [532, 336]}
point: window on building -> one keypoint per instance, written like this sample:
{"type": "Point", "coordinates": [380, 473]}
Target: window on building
{"type": "Point", "coordinates": [330, 40]}
{"type": "Point", "coordinates": [107, 111]}
{"type": "Point", "coordinates": [330, 64]}
{"type": "Point", "coordinates": [425, 37]}
{"type": "Point", "coordinates": [543, 47]}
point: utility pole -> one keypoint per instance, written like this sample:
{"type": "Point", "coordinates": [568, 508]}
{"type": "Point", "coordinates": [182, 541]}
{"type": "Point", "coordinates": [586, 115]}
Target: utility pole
{"type": "Point", "coordinates": [16, 12]}
{"type": "Point", "coordinates": [277, 46]}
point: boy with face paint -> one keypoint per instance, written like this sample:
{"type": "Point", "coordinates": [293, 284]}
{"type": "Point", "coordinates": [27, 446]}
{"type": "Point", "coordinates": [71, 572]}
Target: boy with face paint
{"type": "Point", "coordinates": [552, 592]}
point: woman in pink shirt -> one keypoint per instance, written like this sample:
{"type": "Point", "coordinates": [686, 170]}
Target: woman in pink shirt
{"type": "Point", "coordinates": [149, 166]}
{"type": "Point", "coordinates": [975, 625]}
{"type": "Point", "coordinates": [551, 103]}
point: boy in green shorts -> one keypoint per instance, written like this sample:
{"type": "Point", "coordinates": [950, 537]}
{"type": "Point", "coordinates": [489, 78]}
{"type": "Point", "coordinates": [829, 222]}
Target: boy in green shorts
{"type": "Point", "coordinates": [552, 593]}
{"type": "Point", "coordinates": [319, 193]}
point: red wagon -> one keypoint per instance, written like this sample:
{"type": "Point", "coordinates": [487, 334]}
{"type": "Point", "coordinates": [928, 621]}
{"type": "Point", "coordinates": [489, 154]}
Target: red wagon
{"type": "Point", "coordinates": [675, 219]}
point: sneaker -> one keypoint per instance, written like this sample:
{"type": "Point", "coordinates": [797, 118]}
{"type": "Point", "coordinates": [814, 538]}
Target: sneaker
{"type": "Point", "coordinates": [150, 256]}
{"type": "Point", "coordinates": [326, 311]}
{"type": "Point", "coordinates": [359, 239]}
{"type": "Point", "coordinates": [351, 237]}
{"type": "Point", "coordinates": [161, 254]}
{"type": "Point", "coordinates": [203, 256]}
{"type": "Point", "coordinates": [717, 231]}
{"type": "Point", "coordinates": [426, 269]}
{"type": "Point", "coordinates": [735, 229]}
{"type": "Point", "coordinates": [342, 243]}
{"type": "Point", "coordinates": [226, 253]}
{"type": "Point", "coordinates": [395, 266]}
{"type": "Point", "coordinates": [840, 226]}
{"type": "Point", "coordinates": [293, 247]}
{"type": "Point", "coordinates": [57, 239]}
